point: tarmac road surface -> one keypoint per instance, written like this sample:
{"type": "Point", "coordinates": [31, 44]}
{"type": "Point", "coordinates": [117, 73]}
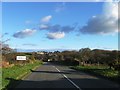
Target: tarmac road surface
{"type": "Point", "coordinates": [51, 75]}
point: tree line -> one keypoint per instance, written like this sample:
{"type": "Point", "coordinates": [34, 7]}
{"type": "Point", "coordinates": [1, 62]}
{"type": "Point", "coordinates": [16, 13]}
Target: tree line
{"type": "Point", "coordinates": [85, 56]}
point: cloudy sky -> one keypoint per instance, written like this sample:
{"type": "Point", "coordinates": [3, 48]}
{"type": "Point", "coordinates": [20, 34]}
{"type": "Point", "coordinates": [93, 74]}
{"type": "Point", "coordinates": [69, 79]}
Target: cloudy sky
{"type": "Point", "coordinates": [60, 25]}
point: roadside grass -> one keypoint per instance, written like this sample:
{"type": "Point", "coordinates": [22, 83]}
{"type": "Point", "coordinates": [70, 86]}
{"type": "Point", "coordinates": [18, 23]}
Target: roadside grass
{"type": "Point", "coordinates": [0, 78]}
{"type": "Point", "coordinates": [102, 71]}
{"type": "Point", "coordinates": [17, 72]}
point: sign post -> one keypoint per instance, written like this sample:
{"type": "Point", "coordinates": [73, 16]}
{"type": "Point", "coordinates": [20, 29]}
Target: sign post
{"type": "Point", "coordinates": [20, 57]}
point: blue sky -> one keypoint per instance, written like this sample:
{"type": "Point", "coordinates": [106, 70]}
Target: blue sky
{"type": "Point", "coordinates": [50, 25]}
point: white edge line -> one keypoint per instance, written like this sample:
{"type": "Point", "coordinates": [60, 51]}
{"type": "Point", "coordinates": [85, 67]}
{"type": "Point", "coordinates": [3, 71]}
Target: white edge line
{"type": "Point", "coordinates": [68, 79]}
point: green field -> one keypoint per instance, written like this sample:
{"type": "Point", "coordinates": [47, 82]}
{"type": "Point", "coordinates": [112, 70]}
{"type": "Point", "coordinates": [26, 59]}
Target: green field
{"type": "Point", "coordinates": [103, 71]}
{"type": "Point", "coordinates": [17, 72]}
{"type": "Point", "coordinates": [0, 78]}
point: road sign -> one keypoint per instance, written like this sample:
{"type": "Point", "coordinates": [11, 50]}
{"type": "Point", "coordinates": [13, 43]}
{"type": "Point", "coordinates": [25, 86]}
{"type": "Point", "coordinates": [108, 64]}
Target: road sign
{"type": "Point", "coordinates": [20, 57]}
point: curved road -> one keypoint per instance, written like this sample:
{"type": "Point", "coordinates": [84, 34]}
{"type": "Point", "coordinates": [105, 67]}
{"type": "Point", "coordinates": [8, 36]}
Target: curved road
{"type": "Point", "coordinates": [56, 76]}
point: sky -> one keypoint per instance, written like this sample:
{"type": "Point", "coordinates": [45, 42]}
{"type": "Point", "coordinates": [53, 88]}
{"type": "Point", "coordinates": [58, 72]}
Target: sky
{"type": "Point", "coordinates": [60, 25]}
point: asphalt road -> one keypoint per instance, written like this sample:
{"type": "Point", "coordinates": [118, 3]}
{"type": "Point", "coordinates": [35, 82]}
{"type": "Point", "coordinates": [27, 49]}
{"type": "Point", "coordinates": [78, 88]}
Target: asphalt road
{"type": "Point", "coordinates": [56, 76]}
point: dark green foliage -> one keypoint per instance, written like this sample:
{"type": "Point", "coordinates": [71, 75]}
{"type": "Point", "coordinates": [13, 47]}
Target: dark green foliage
{"type": "Point", "coordinates": [86, 56]}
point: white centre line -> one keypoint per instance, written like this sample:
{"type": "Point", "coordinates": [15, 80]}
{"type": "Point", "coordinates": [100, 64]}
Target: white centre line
{"type": "Point", "coordinates": [68, 79]}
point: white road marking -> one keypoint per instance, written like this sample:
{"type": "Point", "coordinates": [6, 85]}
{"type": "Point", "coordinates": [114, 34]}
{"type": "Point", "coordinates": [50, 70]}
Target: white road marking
{"type": "Point", "coordinates": [54, 66]}
{"type": "Point", "coordinates": [72, 82]}
{"type": "Point", "coordinates": [58, 70]}
{"type": "Point", "coordinates": [68, 79]}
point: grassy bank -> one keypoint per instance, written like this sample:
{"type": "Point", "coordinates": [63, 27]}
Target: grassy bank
{"type": "Point", "coordinates": [102, 71]}
{"type": "Point", "coordinates": [17, 72]}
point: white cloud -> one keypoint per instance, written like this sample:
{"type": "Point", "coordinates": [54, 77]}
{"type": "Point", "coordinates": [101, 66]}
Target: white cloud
{"type": "Point", "coordinates": [43, 26]}
{"type": "Point", "coordinates": [107, 23]}
{"type": "Point", "coordinates": [93, 16]}
{"type": "Point", "coordinates": [29, 44]}
{"type": "Point", "coordinates": [46, 19]}
{"type": "Point", "coordinates": [111, 10]}
{"type": "Point", "coordinates": [24, 33]}
{"type": "Point", "coordinates": [28, 22]}
{"type": "Point", "coordinates": [55, 35]}
{"type": "Point", "coordinates": [60, 7]}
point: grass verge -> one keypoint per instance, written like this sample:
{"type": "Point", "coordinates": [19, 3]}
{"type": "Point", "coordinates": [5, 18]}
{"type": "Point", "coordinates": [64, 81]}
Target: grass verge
{"type": "Point", "coordinates": [100, 71]}
{"type": "Point", "coordinates": [16, 72]}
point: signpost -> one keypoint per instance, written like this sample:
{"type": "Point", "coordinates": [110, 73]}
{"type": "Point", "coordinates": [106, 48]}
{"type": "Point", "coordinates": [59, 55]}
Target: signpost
{"type": "Point", "coordinates": [20, 57]}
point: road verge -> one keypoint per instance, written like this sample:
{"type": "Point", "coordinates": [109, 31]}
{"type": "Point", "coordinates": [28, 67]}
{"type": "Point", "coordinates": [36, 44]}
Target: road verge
{"type": "Point", "coordinates": [13, 75]}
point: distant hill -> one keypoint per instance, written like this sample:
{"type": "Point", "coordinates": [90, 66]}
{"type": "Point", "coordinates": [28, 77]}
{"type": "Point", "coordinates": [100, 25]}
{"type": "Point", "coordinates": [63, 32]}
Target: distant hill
{"type": "Point", "coordinates": [52, 50]}
{"type": "Point", "coordinates": [46, 50]}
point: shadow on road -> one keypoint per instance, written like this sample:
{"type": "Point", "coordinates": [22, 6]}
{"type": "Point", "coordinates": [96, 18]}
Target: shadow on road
{"type": "Point", "coordinates": [38, 85]}
{"type": "Point", "coordinates": [49, 72]}
{"type": "Point", "coordinates": [85, 84]}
